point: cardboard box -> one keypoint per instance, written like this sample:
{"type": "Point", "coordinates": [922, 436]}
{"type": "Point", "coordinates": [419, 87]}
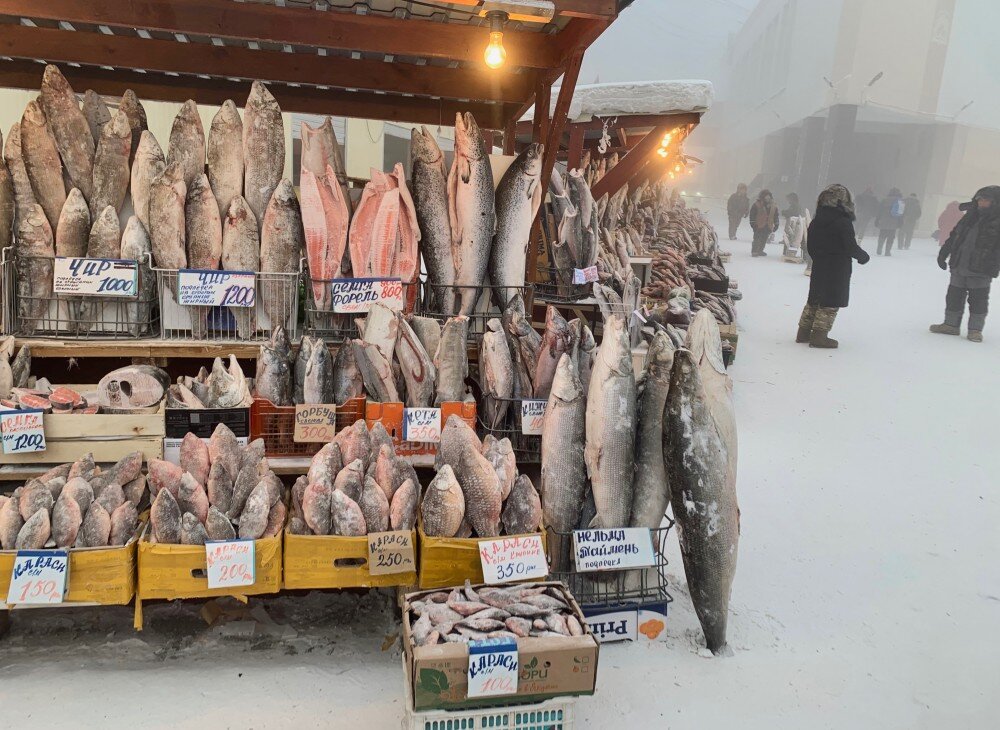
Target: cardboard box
{"type": "Point", "coordinates": [450, 561]}
{"type": "Point", "coordinates": [331, 561]}
{"type": "Point", "coordinates": [633, 621]}
{"type": "Point", "coordinates": [548, 667]}
{"type": "Point", "coordinates": [104, 575]}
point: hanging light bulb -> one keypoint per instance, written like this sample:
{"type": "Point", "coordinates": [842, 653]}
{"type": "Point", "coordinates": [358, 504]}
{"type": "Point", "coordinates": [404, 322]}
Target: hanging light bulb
{"type": "Point", "coordinates": [495, 54]}
{"type": "Point", "coordinates": [662, 152]}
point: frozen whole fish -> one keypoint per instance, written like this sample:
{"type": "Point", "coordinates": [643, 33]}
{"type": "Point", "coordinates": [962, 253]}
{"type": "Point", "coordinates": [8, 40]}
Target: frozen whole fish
{"type": "Point", "coordinates": [347, 379]}
{"type": "Point", "coordinates": [104, 241]}
{"type": "Point", "coordinates": [24, 196]}
{"type": "Point", "coordinates": [418, 370]}
{"type": "Point", "coordinates": [96, 112]}
{"type": "Point", "coordinates": [317, 386]}
{"type": "Point", "coordinates": [227, 386]}
{"type": "Point", "coordinates": [482, 491]}
{"type": "Point", "coordinates": [41, 161]}
{"type": "Point", "coordinates": [586, 351]}
{"type": "Point", "coordinates": [374, 506]}
{"type": "Point", "coordinates": [428, 330]}
{"type": "Point", "coordinates": [34, 250]}
{"type": "Point", "coordinates": [518, 198]}
{"type": "Point", "coordinates": [8, 205]}
{"type": "Point", "coordinates": [451, 361]}
{"type": "Point", "coordinates": [522, 512]}
{"type": "Point", "coordinates": [111, 165]}
{"type": "Point", "coordinates": [471, 210]}
{"type": "Point", "coordinates": [347, 518]}
{"type": "Point", "coordinates": [429, 181]}
{"type": "Point", "coordinates": [273, 378]}
{"type": "Point", "coordinates": [652, 490]}
{"type": "Point", "coordinates": [443, 507]}
{"type": "Point", "coordinates": [241, 252]}
{"type": "Point", "coordinates": [74, 226]}
{"type": "Point", "coordinates": [203, 234]}
{"type": "Point", "coordinates": [147, 166]}
{"type": "Point", "coordinates": [136, 246]}
{"type": "Point", "coordinates": [320, 150]}
{"type": "Point", "coordinates": [186, 145]}
{"type": "Point", "coordinates": [556, 341]}
{"type": "Point", "coordinates": [375, 370]}
{"type": "Point", "coordinates": [69, 128]}
{"type": "Point", "coordinates": [301, 362]}
{"type": "Point", "coordinates": [497, 373]}
{"type": "Point", "coordinates": [263, 150]}
{"type": "Point", "coordinates": [281, 241]}
{"type": "Point", "coordinates": [500, 453]}
{"type": "Point", "coordinates": [225, 155]}
{"type": "Point", "coordinates": [167, 196]}
{"type": "Point", "coordinates": [136, 114]}
{"type": "Point", "coordinates": [403, 509]}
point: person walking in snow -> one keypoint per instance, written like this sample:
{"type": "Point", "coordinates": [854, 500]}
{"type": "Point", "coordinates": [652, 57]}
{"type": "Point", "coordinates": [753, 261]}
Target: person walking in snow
{"type": "Point", "coordinates": [947, 221]}
{"type": "Point", "coordinates": [911, 214]}
{"type": "Point", "coordinates": [737, 207]}
{"type": "Point", "coordinates": [833, 245]}
{"type": "Point", "coordinates": [796, 223]}
{"type": "Point", "coordinates": [867, 207]}
{"type": "Point", "coordinates": [763, 221]}
{"type": "Point", "coordinates": [973, 253]}
{"type": "Point", "coordinates": [889, 219]}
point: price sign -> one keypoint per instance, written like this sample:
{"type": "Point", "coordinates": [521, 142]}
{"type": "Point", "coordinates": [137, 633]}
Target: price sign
{"type": "Point", "coordinates": [103, 277]}
{"type": "Point", "coordinates": [493, 667]}
{"type": "Point", "coordinates": [422, 425]}
{"type": "Point", "coordinates": [627, 547]}
{"type": "Point", "coordinates": [22, 432]}
{"type": "Point", "coordinates": [585, 276]}
{"type": "Point", "coordinates": [315, 424]}
{"type": "Point", "coordinates": [510, 559]}
{"type": "Point", "coordinates": [38, 576]}
{"type": "Point", "coordinates": [532, 415]}
{"type": "Point", "coordinates": [391, 552]}
{"type": "Point", "coordinates": [210, 288]}
{"type": "Point", "coordinates": [356, 296]}
{"type": "Point", "coordinates": [230, 563]}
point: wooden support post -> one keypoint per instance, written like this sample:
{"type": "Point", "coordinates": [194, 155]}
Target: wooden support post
{"type": "Point", "coordinates": [510, 138]}
{"type": "Point", "coordinates": [575, 147]}
{"type": "Point", "coordinates": [630, 164]}
{"type": "Point", "coordinates": [488, 140]}
{"type": "Point", "coordinates": [543, 96]}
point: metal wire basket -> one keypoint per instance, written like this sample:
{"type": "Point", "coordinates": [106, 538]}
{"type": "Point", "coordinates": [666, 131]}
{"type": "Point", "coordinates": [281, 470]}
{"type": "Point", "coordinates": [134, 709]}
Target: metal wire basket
{"type": "Point", "coordinates": [335, 328]}
{"type": "Point", "coordinates": [610, 588]}
{"type": "Point", "coordinates": [32, 309]}
{"type": "Point", "coordinates": [277, 293]}
{"type": "Point", "coordinates": [485, 309]}
{"type": "Point", "coordinates": [553, 286]}
{"type": "Point", "coordinates": [527, 449]}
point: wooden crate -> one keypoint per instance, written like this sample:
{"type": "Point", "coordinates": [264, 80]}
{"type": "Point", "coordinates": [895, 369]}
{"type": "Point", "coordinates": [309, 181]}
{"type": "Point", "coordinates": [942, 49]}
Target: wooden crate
{"type": "Point", "coordinates": [331, 561]}
{"type": "Point", "coordinates": [450, 561]}
{"type": "Point", "coordinates": [68, 436]}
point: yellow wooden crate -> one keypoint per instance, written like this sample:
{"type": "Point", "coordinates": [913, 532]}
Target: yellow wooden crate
{"type": "Point", "coordinates": [179, 571]}
{"type": "Point", "coordinates": [331, 561]}
{"type": "Point", "coordinates": [104, 575]}
{"type": "Point", "coordinates": [450, 561]}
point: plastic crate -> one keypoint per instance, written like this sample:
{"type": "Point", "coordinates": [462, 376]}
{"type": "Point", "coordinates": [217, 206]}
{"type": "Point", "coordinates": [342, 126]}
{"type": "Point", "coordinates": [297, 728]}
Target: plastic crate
{"type": "Point", "coordinates": [555, 286]}
{"type": "Point", "coordinates": [390, 415]}
{"type": "Point", "coordinates": [276, 426]}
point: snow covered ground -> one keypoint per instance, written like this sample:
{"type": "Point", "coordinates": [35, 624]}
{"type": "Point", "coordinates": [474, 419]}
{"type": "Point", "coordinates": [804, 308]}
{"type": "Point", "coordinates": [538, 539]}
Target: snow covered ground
{"type": "Point", "coordinates": [867, 594]}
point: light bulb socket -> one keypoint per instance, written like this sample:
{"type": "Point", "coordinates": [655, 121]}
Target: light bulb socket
{"type": "Point", "coordinates": [498, 19]}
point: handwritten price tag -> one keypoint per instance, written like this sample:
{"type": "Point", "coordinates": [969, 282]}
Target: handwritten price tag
{"type": "Point", "coordinates": [585, 276]}
{"type": "Point", "coordinates": [104, 277]}
{"type": "Point", "coordinates": [39, 576]}
{"type": "Point", "coordinates": [22, 432]}
{"type": "Point", "coordinates": [209, 288]}
{"type": "Point", "coordinates": [532, 416]}
{"type": "Point", "coordinates": [422, 425]}
{"type": "Point", "coordinates": [353, 296]}
{"type": "Point", "coordinates": [493, 667]}
{"type": "Point", "coordinates": [628, 547]}
{"type": "Point", "coordinates": [315, 424]}
{"type": "Point", "coordinates": [510, 559]}
{"type": "Point", "coordinates": [391, 552]}
{"type": "Point", "coordinates": [230, 563]}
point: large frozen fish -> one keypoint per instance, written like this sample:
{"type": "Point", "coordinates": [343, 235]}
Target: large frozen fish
{"type": "Point", "coordinates": [586, 351]}
{"type": "Point", "coordinates": [263, 149]}
{"type": "Point", "coordinates": [557, 340]}
{"type": "Point", "coordinates": [227, 386]}
{"type": "Point", "coordinates": [451, 361]}
{"type": "Point", "coordinates": [317, 386]}
{"type": "Point", "coordinates": [136, 114]}
{"type": "Point", "coordinates": [281, 242]}
{"type": "Point", "coordinates": [376, 371]}
{"type": "Point", "coordinates": [652, 492]}
{"type": "Point", "coordinates": [325, 219]}
{"type": "Point", "coordinates": [225, 155]}
{"type": "Point", "coordinates": [104, 241]}
{"type": "Point", "coordinates": [241, 252]}
{"type": "Point", "coordinates": [704, 498]}
{"type": "Point", "coordinates": [111, 166]}
{"type": "Point", "coordinates": [70, 129]}
{"type": "Point", "coordinates": [471, 210]}
{"type": "Point", "coordinates": [522, 512]}
{"type": "Point", "coordinates": [481, 488]}
{"type": "Point", "coordinates": [167, 195]}
{"type": "Point", "coordinates": [8, 206]}
{"type": "Point", "coordinates": [273, 378]}
{"type": "Point", "coordinates": [301, 363]}
{"type": "Point", "coordinates": [611, 424]}
{"type": "Point", "coordinates": [443, 507]}
{"type": "Point", "coordinates": [518, 197]}
{"type": "Point", "coordinates": [203, 234]}
{"type": "Point", "coordinates": [74, 226]}
{"type": "Point", "coordinates": [496, 372]}
{"type": "Point", "coordinates": [525, 344]}
{"type": "Point", "coordinates": [347, 379]}
{"type": "Point", "coordinates": [135, 245]}
{"type": "Point", "coordinates": [96, 112]}
{"type": "Point", "coordinates": [24, 196]}
{"type": "Point", "coordinates": [41, 160]}
{"type": "Point", "coordinates": [186, 145]}
{"type": "Point", "coordinates": [428, 330]}
{"type": "Point", "coordinates": [33, 249]}
{"type": "Point", "coordinates": [418, 369]}
{"type": "Point", "coordinates": [429, 181]}
{"type": "Point", "coordinates": [147, 166]}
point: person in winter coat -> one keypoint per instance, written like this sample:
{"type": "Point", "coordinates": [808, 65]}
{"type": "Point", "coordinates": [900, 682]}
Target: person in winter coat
{"type": "Point", "coordinates": [911, 214]}
{"type": "Point", "coordinates": [867, 207]}
{"type": "Point", "coordinates": [763, 221]}
{"type": "Point", "coordinates": [796, 223]}
{"type": "Point", "coordinates": [973, 253]}
{"type": "Point", "coordinates": [947, 221]}
{"type": "Point", "coordinates": [738, 207]}
{"type": "Point", "coordinates": [833, 245]}
{"type": "Point", "coordinates": [889, 220]}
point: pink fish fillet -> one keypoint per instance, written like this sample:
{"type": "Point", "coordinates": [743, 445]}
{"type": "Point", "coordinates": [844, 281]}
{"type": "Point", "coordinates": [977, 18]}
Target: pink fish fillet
{"type": "Point", "coordinates": [385, 234]}
{"type": "Point", "coordinates": [361, 228]}
{"type": "Point", "coordinates": [338, 217]}
{"type": "Point", "coordinates": [315, 223]}
{"type": "Point", "coordinates": [407, 258]}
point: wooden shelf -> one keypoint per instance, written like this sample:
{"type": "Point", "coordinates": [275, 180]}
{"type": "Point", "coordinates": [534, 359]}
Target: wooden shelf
{"type": "Point", "coordinates": [138, 348]}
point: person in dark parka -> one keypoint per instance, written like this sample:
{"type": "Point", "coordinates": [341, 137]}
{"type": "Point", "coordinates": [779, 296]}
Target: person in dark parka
{"type": "Point", "coordinates": [763, 221]}
{"type": "Point", "coordinates": [738, 206]}
{"type": "Point", "coordinates": [832, 244]}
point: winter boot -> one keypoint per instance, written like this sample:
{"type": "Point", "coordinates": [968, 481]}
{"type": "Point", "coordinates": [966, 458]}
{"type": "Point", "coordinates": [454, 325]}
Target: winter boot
{"type": "Point", "coordinates": [952, 324]}
{"type": "Point", "coordinates": [821, 329]}
{"type": "Point", "coordinates": [806, 323]}
{"type": "Point", "coordinates": [977, 320]}
{"type": "Point", "coordinates": [975, 336]}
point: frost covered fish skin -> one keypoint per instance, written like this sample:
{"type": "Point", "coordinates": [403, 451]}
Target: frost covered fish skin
{"type": "Point", "coordinates": [418, 369]}
{"type": "Point", "coordinates": [11, 523]}
{"type": "Point", "coordinates": [704, 498]}
{"type": "Point", "coordinates": [263, 149]}
{"type": "Point", "coordinates": [96, 112]}
{"type": "Point", "coordinates": [136, 114]}
{"type": "Point", "coordinates": [66, 520]}
{"type": "Point", "coordinates": [74, 226]}
{"type": "Point", "coordinates": [451, 361]}
{"type": "Point", "coordinates": [611, 424]}
{"type": "Point", "coordinates": [186, 144]}
{"type": "Point", "coordinates": [273, 377]}
{"type": "Point", "coordinates": [104, 241]}
{"type": "Point", "coordinates": [8, 204]}
{"type": "Point", "coordinates": [348, 519]}
{"type": "Point", "coordinates": [317, 385]}
{"type": "Point", "coordinates": [146, 167]}
{"type": "Point", "coordinates": [35, 532]}
{"type": "Point", "coordinates": [481, 488]}
{"type": "Point", "coordinates": [194, 458]}
{"type": "Point", "coordinates": [24, 196]}
{"type": "Point", "coordinates": [497, 373]}
{"type": "Point", "coordinates": [165, 518]}
{"type": "Point", "coordinates": [225, 155]}
{"type": "Point", "coordinates": [500, 453]}
{"type": "Point", "coordinates": [652, 490]}
{"type": "Point", "coordinates": [471, 210]}
{"type": "Point", "coordinates": [556, 341]}
{"type": "Point", "coordinates": [69, 128]}
{"type": "Point", "coordinates": [281, 241]}
{"type": "Point", "coordinates": [374, 506]}
{"type": "Point", "coordinates": [241, 252]}
{"type": "Point", "coordinates": [124, 520]}
{"type": "Point", "coordinates": [429, 181]}
{"type": "Point", "coordinates": [522, 512]}
{"type": "Point", "coordinates": [111, 165]}
{"type": "Point", "coordinates": [403, 509]}
{"type": "Point", "coordinates": [167, 196]}
{"type": "Point", "coordinates": [136, 246]}
{"type": "Point", "coordinates": [203, 237]}
{"type": "Point", "coordinates": [33, 249]}
{"type": "Point", "coordinates": [347, 379]}
{"type": "Point", "coordinates": [41, 161]}
{"type": "Point", "coordinates": [518, 197]}
{"type": "Point", "coordinates": [301, 362]}
{"type": "Point", "coordinates": [376, 371]}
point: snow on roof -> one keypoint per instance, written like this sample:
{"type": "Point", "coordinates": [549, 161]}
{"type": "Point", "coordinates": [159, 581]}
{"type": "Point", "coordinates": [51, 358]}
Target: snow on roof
{"type": "Point", "coordinates": [635, 97]}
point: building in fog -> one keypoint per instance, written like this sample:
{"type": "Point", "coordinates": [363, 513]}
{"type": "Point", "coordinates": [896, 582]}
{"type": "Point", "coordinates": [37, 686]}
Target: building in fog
{"type": "Point", "coordinates": [887, 93]}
